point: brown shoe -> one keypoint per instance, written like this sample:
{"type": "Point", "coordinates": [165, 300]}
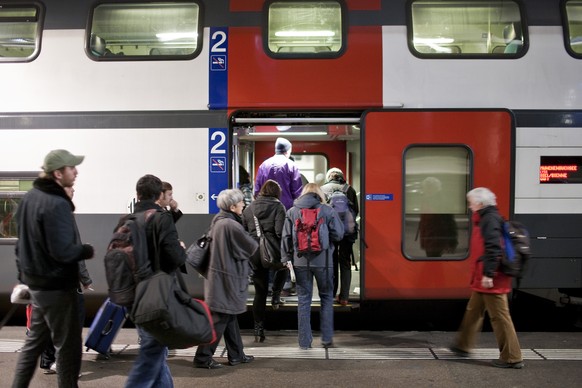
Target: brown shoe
{"type": "Point", "coordinates": [510, 365]}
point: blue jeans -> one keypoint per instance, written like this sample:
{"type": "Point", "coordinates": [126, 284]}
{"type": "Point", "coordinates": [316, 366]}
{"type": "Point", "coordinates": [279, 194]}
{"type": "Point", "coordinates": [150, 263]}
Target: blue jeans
{"type": "Point", "coordinates": [324, 279]}
{"type": "Point", "coordinates": [150, 368]}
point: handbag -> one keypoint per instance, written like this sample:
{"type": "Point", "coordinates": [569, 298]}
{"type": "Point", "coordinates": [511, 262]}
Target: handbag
{"type": "Point", "coordinates": [165, 310]}
{"type": "Point", "coordinates": [268, 251]}
{"type": "Point", "coordinates": [198, 254]}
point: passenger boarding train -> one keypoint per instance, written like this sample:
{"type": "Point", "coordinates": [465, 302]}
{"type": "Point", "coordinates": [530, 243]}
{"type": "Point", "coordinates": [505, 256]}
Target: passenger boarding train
{"type": "Point", "coordinates": [416, 101]}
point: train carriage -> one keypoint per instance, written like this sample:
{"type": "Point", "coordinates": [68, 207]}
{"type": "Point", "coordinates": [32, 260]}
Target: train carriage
{"type": "Point", "coordinates": [416, 101]}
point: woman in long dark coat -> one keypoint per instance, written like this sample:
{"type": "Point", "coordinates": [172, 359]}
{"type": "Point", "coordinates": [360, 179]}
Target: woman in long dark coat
{"type": "Point", "coordinates": [225, 289]}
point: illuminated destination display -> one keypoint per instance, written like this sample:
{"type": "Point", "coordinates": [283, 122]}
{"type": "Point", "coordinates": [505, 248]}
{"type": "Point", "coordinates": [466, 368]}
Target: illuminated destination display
{"type": "Point", "coordinates": [561, 169]}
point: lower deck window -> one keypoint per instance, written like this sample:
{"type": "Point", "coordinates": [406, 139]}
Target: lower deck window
{"type": "Point", "coordinates": [11, 192]}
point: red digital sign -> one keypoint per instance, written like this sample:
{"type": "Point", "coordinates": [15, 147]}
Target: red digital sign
{"type": "Point", "coordinates": [561, 169]}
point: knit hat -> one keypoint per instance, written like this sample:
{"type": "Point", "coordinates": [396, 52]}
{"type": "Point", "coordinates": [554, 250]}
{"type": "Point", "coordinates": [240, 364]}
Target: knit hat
{"type": "Point", "coordinates": [60, 158]}
{"type": "Point", "coordinates": [333, 171]}
{"type": "Point", "coordinates": [282, 145]}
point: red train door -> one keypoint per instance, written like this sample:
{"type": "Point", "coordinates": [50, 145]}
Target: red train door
{"type": "Point", "coordinates": [418, 167]}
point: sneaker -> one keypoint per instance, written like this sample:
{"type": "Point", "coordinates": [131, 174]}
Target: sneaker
{"type": "Point", "coordinates": [327, 344]}
{"type": "Point", "coordinates": [52, 370]}
{"type": "Point", "coordinates": [510, 365]}
{"type": "Point", "coordinates": [459, 352]}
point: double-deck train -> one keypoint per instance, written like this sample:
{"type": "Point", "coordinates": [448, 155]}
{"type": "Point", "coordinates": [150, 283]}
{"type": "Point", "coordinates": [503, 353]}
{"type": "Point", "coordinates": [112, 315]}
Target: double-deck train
{"type": "Point", "coordinates": [416, 101]}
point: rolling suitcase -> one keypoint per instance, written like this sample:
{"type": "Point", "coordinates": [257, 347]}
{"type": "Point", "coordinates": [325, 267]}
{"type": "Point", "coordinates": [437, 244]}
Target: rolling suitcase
{"type": "Point", "coordinates": [106, 324]}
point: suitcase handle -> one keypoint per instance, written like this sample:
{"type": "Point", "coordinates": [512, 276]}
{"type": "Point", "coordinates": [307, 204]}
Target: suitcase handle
{"type": "Point", "coordinates": [107, 328]}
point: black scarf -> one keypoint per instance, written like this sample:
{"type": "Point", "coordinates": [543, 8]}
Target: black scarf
{"type": "Point", "coordinates": [49, 186]}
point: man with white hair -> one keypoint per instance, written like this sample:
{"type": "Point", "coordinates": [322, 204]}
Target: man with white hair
{"type": "Point", "coordinates": [282, 170]}
{"type": "Point", "coordinates": [489, 285]}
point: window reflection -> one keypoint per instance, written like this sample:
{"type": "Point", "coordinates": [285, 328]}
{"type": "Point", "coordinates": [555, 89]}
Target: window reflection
{"type": "Point", "coordinates": [436, 221]}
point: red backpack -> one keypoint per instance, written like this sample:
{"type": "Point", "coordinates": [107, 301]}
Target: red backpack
{"type": "Point", "coordinates": [307, 231]}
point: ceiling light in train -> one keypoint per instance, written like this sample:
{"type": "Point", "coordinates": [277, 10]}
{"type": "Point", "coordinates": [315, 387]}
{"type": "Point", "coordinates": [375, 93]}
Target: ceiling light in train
{"type": "Point", "coordinates": [167, 36]}
{"type": "Point", "coordinates": [317, 133]}
{"type": "Point", "coordinates": [286, 34]}
{"type": "Point", "coordinates": [430, 41]}
{"type": "Point", "coordinates": [283, 128]}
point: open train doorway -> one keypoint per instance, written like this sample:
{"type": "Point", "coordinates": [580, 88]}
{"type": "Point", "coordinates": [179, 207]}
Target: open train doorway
{"type": "Point", "coordinates": [320, 141]}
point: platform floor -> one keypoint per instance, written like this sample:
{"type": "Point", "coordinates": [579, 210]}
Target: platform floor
{"type": "Point", "coordinates": [358, 358]}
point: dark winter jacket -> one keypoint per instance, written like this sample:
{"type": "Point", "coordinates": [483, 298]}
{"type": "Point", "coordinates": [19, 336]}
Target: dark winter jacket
{"type": "Point", "coordinates": [225, 289]}
{"type": "Point", "coordinates": [162, 225]}
{"type": "Point", "coordinates": [271, 215]}
{"type": "Point", "coordinates": [330, 231]}
{"type": "Point", "coordinates": [486, 245]}
{"type": "Point", "coordinates": [49, 247]}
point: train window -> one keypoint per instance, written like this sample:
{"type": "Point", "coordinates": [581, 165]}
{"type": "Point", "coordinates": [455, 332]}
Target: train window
{"type": "Point", "coordinates": [572, 12]}
{"type": "Point", "coordinates": [12, 189]}
{"type": "Point", "coordinates": [145, 31]}
{"type": "Point", "coordinates": [305, 29]}
{"type": "Point", "coordinates": [20, 31]}
{"type": "Point", "coordinates": [466, 29]}
{"type": "Point", "coordinates": [436, 221]}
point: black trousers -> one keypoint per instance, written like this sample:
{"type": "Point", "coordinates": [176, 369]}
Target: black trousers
{"type": "Point", "coordinates": [48, 356]}
{"type": "Point", "coordinates": [227, 325]}
{"type": "Point", "coordinates": [342, 268]}
{"type": "Point", "coordinates": [261, 282]}
{"type": "Point", "coordinates": [55, 316]}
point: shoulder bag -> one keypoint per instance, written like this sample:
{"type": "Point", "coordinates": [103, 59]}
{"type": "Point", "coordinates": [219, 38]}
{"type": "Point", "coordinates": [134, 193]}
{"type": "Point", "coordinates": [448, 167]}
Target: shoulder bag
{"type": "Point", "coordinates": [165, 309]}
{"type": "Point", "coordinates": [170, 315]}
{"type": "Point", "coordinates": [269, 252]}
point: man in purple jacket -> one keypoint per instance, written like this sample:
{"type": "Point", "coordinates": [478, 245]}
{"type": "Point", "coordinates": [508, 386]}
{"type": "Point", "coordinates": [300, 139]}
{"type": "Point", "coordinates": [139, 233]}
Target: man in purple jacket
{"type": "Point", "coordinates": [282, 170]}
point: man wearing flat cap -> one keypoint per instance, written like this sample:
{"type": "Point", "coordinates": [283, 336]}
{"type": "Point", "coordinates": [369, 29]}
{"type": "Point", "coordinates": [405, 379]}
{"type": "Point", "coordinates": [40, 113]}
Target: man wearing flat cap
{"type": "Point", "coordinates": [282, 170]}
{"type": "Point", "coordinates": [48, 252]}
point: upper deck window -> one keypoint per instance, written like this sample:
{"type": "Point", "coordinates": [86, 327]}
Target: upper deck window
{"type": "Point", "coordinates": [467, 29]}
{"type": "Point", "coordinates": [20, 31]}
{"type": "Point", "coordinates": [572, 12]}
{"type": "Point", "coordinates": [145, 31]}
{"type": "Point", "coordinates": [304, 29]}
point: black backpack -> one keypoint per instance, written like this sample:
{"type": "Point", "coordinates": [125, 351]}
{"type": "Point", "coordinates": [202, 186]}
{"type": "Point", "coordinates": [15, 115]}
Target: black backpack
{"type": "Point", "coordinates": [126, 261]}
{"type": "Point", "coordinates": [517, 248]}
